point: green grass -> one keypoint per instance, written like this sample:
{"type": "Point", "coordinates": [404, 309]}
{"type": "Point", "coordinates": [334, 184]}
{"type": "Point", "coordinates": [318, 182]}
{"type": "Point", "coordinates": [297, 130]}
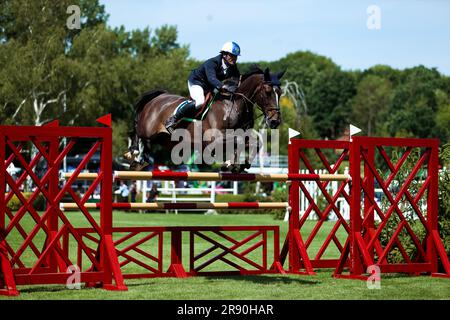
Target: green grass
{"type": "Point", "coordinates": [261, 287]}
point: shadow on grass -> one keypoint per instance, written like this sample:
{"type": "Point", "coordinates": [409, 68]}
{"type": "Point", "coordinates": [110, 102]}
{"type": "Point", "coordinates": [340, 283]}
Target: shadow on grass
{"type": "Point", "coordinates": [136, 283]}
{"type": "Point", "coordinates": [404, 275]}
{"type": "Point", "coordinates": [257, 279]}
{"type": "Point", "coordinates": [265, 279]}
{"type": "Point", "coordinates": [47, 289]}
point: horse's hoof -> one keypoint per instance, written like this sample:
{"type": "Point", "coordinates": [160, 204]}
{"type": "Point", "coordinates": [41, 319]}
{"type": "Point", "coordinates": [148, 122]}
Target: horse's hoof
{"type": "Point", "coordinates": [227, 166]}
{"type": "Point", "coordinates": [235, 169]}
{"type": "Point", "coordinates": [138, 166]}
{"type": "Point", "coordinates": [242, 168]}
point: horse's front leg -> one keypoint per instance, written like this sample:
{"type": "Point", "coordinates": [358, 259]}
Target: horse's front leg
{"type": "Point", "coordinates": [133, 149]}
{"type": "Point", "coordinates": [229, 153]}
{"type": "Point", "coordinates": [252, 148]}
{"type": "Point", "coordinates": [142, 159]}
{"type": "Point", "coordinates": [237, 166]}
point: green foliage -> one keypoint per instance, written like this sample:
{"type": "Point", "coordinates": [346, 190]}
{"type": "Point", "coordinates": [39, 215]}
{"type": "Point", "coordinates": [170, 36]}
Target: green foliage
{"type": "Point", "coordinates": [416, 225]}
{"type": "Point", "coordinates": [303, 67]}
{"type": "Point", "coordinates": [385, 72]}
{"type": "Point", "coordinates": [279, 195]}
{"type": "Point", "coordinates": [49, 71]}
{"type": "Point", "coordinates": [444, 197]}
{"type": "Point", "coordinates": [15, 204]}
{"type": "Point", "coordinates": [329, 100]}
{"type": "Point", "coordinates": [39, 203]}
{"type": "Point", "coordinates": [406, 208]}
{"type": "Point", "coordinates": [369, 106]}
{"type": "Point", "coordinates": [120, 137]}
{"type": "Point", "coordinates": [443, 114]}
{"type": "Point", "coordinates": [413, 107]}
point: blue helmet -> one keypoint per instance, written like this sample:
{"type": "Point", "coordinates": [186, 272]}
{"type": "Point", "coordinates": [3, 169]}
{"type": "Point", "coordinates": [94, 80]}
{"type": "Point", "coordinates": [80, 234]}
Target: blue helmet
{"type": "Point", "coordinates": [231, 47]}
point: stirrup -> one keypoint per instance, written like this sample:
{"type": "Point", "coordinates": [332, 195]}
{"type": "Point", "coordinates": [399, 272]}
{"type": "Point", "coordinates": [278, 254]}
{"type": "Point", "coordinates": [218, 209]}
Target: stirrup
{"type": "Point", "coordinates": [170, 130]}
{"type": "Point", "coordinates": [170, 124]}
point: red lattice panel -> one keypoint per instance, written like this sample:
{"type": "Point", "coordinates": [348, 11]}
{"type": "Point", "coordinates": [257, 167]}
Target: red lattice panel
{"type": "Point", "coordinates": [398, 233]}
{"type": "Point", "coordinates": [329, 157]}
{"type": "Point", "coordinates": [31, 250]}
{"type": "Point", "coordinates": [147, 252]}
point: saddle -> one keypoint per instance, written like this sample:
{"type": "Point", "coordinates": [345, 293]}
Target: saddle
{"type": "Point", "coordinates": [201, 112]}
{"type": "Point", "coordinates": [209, 97]}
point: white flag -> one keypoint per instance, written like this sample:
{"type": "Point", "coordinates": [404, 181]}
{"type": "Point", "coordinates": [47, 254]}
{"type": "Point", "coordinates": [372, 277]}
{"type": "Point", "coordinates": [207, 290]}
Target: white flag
{"type": "Point", "coordinates": [354, 130]}
{"type": "Point", "coordinates": [292, 133]}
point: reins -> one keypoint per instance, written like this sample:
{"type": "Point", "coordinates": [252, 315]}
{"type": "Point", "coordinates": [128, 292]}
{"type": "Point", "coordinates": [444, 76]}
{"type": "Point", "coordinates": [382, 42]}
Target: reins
{"type": "Point", "coordinates": [277, 109]}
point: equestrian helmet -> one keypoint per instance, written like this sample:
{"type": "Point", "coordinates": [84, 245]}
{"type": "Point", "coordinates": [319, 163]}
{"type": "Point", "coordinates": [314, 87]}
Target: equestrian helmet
{"type": "Point", "coordinates": [231, 47]}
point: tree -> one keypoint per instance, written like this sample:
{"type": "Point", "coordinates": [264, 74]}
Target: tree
{"type": "Point", "coordinates": [413, 106]}
{"type": "Point", "coordinates": [370, 103]}
{"type": "Point", "coordinates": [39, 81]}
{"type": "Point", "coordinates": [30, 84]}
{"type": "Point", "coordinates": [328, 102]}
{"type": "Point", "coordinates": [76, 76]}
{"type": "Point", "coordinates": [303, 67]}
{"type": "Point", "coordinates": [443, 115]}
{"type": "Point", "coordinates": [394, 76]}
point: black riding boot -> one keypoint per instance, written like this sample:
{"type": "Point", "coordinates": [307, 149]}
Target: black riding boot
{"type": "Point", "coordinates": [186, 111]}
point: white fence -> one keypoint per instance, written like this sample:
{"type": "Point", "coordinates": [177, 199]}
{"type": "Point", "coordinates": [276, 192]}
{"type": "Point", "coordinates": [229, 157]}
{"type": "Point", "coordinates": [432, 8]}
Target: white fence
{"type": "Point", "coordinates": [208, 193]}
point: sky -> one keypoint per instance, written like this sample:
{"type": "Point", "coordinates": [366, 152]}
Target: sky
{"type": "Point", "coordinates": [355, 34]}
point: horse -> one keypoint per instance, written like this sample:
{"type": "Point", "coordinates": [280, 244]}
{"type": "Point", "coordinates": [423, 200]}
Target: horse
{"type": "Point", "coordinates": [233, 111]}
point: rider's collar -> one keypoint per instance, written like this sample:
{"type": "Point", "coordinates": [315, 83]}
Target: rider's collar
{"type": "Point", "coordinates": [224, 65]}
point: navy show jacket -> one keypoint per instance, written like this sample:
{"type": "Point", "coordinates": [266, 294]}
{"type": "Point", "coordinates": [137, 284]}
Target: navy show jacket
{"type": "Point", "coordinates": [210, 74]}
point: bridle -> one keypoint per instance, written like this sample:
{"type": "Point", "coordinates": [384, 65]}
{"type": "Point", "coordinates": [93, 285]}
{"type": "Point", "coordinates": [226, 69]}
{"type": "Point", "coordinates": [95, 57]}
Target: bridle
{"type": "Point", "coordinates": [276, 110]}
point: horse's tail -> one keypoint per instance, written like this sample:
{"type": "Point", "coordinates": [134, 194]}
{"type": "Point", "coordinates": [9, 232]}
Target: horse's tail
{"type": "Point", "coordinates": [138, 107]}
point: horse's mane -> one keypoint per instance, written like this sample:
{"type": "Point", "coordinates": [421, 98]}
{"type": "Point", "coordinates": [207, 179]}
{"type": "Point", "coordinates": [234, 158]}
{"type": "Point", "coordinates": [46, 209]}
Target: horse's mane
{"type": "Point", "coordinates": [145, 98]}
{"type": "Point", "coordinates": [140, 103]}
{"type": "Point", "coordinates": [254, 69]}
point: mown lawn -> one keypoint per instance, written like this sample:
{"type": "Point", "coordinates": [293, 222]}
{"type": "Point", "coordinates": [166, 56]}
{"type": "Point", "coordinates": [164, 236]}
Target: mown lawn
{"type": "Point", "coordinates": [261, 287]}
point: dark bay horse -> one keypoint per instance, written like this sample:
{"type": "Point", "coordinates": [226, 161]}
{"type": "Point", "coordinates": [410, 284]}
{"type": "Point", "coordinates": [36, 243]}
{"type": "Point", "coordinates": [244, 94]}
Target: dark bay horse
{"type": "Point", "coordinates": [235, 111]}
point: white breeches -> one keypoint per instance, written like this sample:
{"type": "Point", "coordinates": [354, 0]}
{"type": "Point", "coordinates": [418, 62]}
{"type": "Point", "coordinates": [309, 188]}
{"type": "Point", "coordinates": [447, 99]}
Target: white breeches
{"type": "Point", "coordinates": [197, 94]}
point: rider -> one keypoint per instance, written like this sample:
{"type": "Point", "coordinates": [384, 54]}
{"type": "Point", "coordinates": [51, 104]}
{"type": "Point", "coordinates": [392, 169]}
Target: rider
{"type": "Point", "coordinates": [208, 77]}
